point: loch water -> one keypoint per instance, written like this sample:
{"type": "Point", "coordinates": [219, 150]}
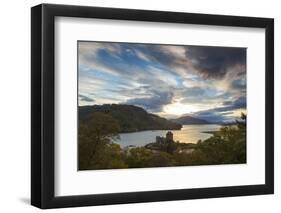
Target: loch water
{"type": "Point", "coordinates": [188, 134]}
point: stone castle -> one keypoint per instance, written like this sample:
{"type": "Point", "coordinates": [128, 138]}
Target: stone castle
{"type": "Point", "coordinates": [165, 140]}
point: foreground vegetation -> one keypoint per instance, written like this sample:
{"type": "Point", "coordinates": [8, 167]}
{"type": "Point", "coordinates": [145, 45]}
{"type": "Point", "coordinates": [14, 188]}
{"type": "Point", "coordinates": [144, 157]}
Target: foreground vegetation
{"type": "Point", "coordinates": [96, 151]}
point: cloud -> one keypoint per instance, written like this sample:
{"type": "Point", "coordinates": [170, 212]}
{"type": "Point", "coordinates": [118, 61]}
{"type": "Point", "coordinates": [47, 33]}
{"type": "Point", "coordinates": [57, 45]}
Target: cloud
{"type": "Point", "coordinates": [194, 91]}
{"type": "Point", "coordinates": [210, 62]}
{"type": "Point", "coordinates": [85, 98]}
{"type": "Point", "coordinates": [153, 76]}
{"type": "Point", "coordinates": [154, 103]}
{"type": "Point", "coordinates": [239, 84]}
{"type": "Point", "coordinates": [129, 59]}
{"type": "Point", "coordinates": [214, 62]}
{"type": "Point", "coordinates": [218, 114]}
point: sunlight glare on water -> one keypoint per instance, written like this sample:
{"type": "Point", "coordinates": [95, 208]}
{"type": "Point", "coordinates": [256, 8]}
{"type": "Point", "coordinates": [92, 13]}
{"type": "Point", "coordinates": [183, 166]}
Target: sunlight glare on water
{"type": "Point", "coordinates": [188, 134]}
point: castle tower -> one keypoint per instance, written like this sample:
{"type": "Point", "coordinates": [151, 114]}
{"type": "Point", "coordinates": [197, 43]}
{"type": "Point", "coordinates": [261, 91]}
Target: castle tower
{"type": "Point", "coordinates": [169, 136]}
{"type": "Point", "coordinates": [158, 139]}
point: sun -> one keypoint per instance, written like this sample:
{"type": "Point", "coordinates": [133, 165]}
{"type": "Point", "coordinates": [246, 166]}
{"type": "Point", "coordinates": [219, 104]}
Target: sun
{"type": "Point", "coordinates": [179, 109]}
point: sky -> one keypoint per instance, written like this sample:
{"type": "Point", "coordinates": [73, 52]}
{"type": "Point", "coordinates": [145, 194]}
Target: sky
{"type": "Point", "coordinates": [168, 80]}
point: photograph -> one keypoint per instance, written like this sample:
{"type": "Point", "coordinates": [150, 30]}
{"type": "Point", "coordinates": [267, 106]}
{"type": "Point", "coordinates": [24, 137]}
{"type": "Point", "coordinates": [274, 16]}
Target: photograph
{"type": "Point", "coordinates": [160, 105]}
{"type": "Point", "coordinates": [140, 105]}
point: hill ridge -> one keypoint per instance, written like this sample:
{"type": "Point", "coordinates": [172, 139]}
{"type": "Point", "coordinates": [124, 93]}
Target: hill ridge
{"type": "Point", "coordinates": [187, 119]}
{"type": "Point", "coordinates": [130, 118]}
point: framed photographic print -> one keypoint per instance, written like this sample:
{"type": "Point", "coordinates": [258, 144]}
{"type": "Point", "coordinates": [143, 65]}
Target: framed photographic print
{"type": "Point", "coordinates": [139, 106]}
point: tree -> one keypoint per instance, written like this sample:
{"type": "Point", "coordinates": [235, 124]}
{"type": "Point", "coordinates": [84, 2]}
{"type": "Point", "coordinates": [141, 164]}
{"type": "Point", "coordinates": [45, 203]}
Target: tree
{"type": "Point", "coordinates": [228, 145]}
{"type": "Point", "coordinates": [94, 135]}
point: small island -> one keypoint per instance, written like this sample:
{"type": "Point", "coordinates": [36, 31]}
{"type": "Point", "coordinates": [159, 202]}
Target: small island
{"type": "Point", "coordinates": [167, 144]}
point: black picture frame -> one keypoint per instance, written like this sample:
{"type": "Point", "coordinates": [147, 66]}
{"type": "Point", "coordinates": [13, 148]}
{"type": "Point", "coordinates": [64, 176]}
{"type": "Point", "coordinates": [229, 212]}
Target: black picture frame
{"type": "Point", "coordinates": [43, 102]}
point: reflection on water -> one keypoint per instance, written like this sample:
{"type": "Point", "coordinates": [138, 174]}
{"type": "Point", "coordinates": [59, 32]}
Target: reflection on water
{"type": "Point", "coordinates": [188, 134]}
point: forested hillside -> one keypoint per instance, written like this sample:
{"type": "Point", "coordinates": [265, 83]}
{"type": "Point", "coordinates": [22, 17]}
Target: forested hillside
{"type": "Point", "coordinates": [130, 118]}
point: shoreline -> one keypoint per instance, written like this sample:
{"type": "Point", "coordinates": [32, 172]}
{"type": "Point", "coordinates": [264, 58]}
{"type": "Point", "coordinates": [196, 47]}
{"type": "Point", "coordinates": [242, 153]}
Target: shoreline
{"type": "Point", "coordinates": [152, 130]}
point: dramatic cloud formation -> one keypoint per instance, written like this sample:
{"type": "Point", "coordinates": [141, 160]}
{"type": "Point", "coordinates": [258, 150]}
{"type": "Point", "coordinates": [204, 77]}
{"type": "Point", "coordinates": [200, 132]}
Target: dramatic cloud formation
{"type": "Point", "coordinates": [85, 98]}
{"type": "Point", "coordinates": [215, 62]}
{"type": "Point", "coordinates": [155, 102]}
{"type": "Point", "coordinates": [222, 113]}
{"type": "Point", "coordinates": [169, 80]}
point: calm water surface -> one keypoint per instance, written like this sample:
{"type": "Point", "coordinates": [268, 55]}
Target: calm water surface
{"type": "Point", "coordinates": [188, 134]}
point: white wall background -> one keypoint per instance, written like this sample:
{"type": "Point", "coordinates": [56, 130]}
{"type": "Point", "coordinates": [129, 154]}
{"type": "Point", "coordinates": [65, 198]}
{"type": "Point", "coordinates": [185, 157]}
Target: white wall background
{"type": "Point", "coordinates": [15, 105]}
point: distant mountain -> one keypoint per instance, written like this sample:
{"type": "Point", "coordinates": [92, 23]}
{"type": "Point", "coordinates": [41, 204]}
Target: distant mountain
{"type": "Point", "coordinates": [130, 118]}
{"type": "Point", "coordinates": [185, 120]}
